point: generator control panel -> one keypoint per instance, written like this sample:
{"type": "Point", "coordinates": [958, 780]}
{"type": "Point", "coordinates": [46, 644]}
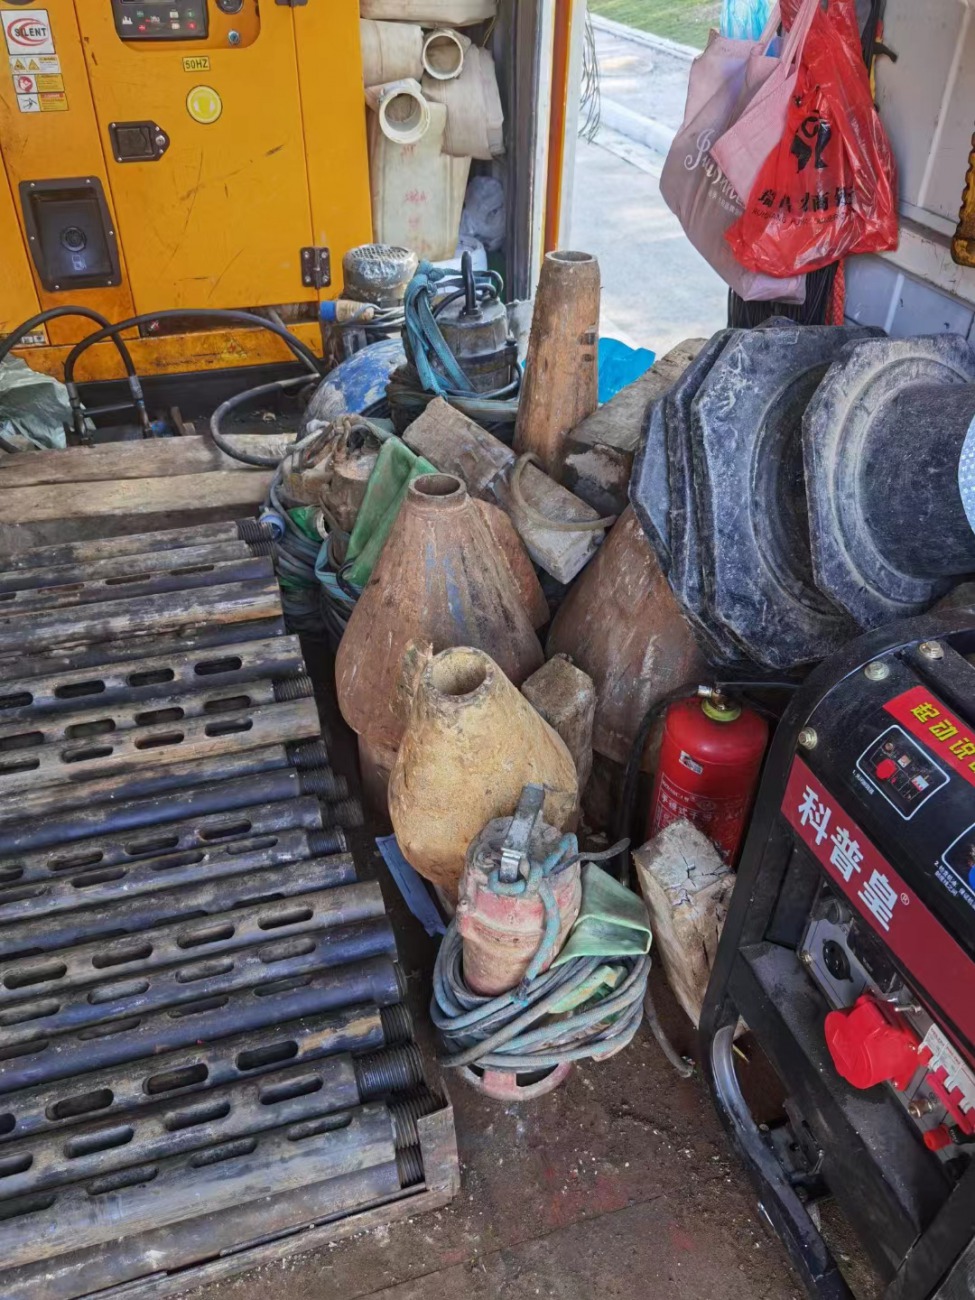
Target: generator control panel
{"type": "Point", "coordinates": [161, 20]}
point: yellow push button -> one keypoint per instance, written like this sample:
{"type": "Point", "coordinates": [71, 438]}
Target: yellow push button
{"type": "Point", "coordinates": [204, 105]}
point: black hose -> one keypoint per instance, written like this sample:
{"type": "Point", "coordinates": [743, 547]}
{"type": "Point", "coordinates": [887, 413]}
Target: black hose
{"type": "Point", "coordinates": [42, 317]}
{"type": "Point", "coordinates": [683, 1067]}
{"type": "Point", "coordinates": [300, 349]}
{"type": "Point", "coordinates": [243, 399]}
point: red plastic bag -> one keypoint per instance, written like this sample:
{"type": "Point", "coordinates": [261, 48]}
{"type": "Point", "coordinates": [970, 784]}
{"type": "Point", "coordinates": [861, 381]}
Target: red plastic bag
{"type": "Point", "coordinates": [828, 189]}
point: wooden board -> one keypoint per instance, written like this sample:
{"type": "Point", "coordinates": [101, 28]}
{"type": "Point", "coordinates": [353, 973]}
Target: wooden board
{"type": "Point", "coordinates": [155, 458]}
{"type": "Point", "coordinates": [49, 513]}
{"type": "Point", "coordinates": [600, 450]}
{"type": "Point", "coordinates": [121, 488]}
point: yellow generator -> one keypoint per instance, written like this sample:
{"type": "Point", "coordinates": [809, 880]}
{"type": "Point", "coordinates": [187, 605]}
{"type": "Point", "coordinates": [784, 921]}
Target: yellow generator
{"type": "Point", "coordinates": [158, 155]}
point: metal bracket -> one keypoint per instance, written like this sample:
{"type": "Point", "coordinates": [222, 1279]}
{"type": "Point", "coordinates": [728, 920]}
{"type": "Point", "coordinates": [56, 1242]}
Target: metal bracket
{"type": "Point", "coordinates": [514, 851]}
{"type": "Point", "coordinates": [316, 263]}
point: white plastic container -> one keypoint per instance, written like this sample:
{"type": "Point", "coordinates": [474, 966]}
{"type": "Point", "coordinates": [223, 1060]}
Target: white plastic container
{"type": "Point", "coordinates": [417, 191]}
{"type": "Point", "coordinates": [432, 13]}
{"type": "Point", "coordinates": [390, 51]}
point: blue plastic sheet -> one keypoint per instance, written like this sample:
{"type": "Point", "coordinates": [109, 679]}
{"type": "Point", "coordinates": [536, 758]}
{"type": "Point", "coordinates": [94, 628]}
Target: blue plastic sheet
{"type": "Point", "coordinates": [620, 365]}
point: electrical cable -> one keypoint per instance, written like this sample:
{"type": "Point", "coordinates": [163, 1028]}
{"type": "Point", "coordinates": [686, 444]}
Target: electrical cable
{"type": "Point", "coordinates": [275, 316]}
{"type": "Point", "coordinates": [249, 395]}
{"type": "Point", "coordinates": [87, 313]}
{"type": "Point", "coordinates": [25, 327]}
{"type": "Point", "coordinates": [300, 349]}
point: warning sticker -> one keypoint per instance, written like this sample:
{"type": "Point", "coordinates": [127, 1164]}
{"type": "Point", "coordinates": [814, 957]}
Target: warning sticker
{"type": "Point", "coordinates": [45, 101]}
{"type": "Point", "coordinates": [28, 31]}
{"type": "Point", "coordinates": [49, 64]}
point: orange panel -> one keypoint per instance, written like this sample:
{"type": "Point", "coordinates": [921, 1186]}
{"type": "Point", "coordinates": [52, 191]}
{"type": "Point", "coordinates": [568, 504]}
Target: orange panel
{"type": "Point", "coordinates": [334, 116]}
{"type": "Point", "coordinates": [220, 219]}
{"type": "Point", "coordinates": [18, 301]}
{"type": "Point", "coordinates": [62, 141]}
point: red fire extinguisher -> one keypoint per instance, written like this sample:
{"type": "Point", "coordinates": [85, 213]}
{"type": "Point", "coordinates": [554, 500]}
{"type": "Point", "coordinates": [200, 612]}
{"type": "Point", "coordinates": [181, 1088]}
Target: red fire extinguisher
{"type": "Point", "coordinates": [709, 764]}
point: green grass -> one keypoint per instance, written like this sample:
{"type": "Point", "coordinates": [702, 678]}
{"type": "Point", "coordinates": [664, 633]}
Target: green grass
{"type": "Point", "coordinates": [687, 21]}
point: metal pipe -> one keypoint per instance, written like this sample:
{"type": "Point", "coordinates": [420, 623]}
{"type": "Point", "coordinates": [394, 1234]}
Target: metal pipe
{"type": "Point", "coordinates": [150, 748]}
{"type": "Point", "coordinates": [102, 885]}
{"type": "Point", "coordinates": [131, 544]}
{"type": "Point", "coordinates": [84, 656]}
{"type": "Point", "coordinates": [260, 965]}
{"type": "Point", "coordinates": [256, 777]}
{"type": "Point", "coordinates": [120, 570]}
{"type": "Point", "coordinates": [175, 778]}
{"type": "Point", "coordinates": [378, 980]}
{"type": "Point", "coordinates": [149, 1133]}
{"type": "Point", "coordinates": [112, 1206]}
{"type": "Point", "coordinates": [107, 1096]}
{"type": "Point", "coordinates": [159, 614]}
{"type": "Point", "coordinates": [102, 722]}
{"type": "Point", "coordinates": [128, 915]}
{"type": "Point", "coordinates": [145, 678]}
{"type": "Point", "coordinates": [177, 1246]}
{"type": "Point", "coordinates": [79, 596]}
{"type": "Point", "coordinates": [205, 832]}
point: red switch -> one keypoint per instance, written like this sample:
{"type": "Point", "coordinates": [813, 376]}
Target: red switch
{"type": "Point", "coordinates": [936, 1139]}
{"type": "Point", "coordinates": [885, 769]}
{"type": "Point", "coordinates": [869, 1047]}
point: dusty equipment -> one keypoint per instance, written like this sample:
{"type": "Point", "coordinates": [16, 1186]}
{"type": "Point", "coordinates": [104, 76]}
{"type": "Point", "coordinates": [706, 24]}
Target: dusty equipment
{"type": "Point", "coordinates": [778, 484]}
{"type": "Point", "coordinates": [203, 1042]}
{"type": "Point", "coordinates": [161, 155]}
{"type": "Point", "coordinates": [849, 951]}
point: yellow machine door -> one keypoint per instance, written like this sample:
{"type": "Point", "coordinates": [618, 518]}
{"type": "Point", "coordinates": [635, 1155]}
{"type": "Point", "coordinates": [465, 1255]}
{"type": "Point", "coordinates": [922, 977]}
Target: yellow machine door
{"type": "Point", "coordinates": [18, 300]}
{"type": "Point", "coordinates": [201, 122]}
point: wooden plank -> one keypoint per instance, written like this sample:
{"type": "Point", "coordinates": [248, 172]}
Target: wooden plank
{"type": "Point", "coordinates": [142, 496]}
{"type": "Point", "coordinates": [149, 458]}
{"type": "Point", "coordinates": [600, 450]}
{"type": "Point", "coordinates": [48, 514]}
{"type": "Point", "coordinates": [687, 888]}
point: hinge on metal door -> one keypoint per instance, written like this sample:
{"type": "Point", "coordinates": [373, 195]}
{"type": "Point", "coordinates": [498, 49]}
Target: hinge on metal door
{"type": "Point", "coordinates": [291, 4]}
{"type": "Point", "coordinates": [316, 268]}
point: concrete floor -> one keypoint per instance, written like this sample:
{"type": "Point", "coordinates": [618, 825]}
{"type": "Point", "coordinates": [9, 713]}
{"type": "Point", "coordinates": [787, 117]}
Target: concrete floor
{"type": "Point", "coordinates": [657, 289]}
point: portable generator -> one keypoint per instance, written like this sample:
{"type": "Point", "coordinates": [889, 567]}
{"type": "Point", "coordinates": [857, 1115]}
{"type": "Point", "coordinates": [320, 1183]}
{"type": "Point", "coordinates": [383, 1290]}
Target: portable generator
{"type": "Point", "coordinates": [162, 154]}
{"type": "Point", "coordinates": [848, 952]}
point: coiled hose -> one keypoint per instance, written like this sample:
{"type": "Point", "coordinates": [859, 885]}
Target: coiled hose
{"type": "Point", "coordinates": [432, 370]}
{"type": "Point", "coordinates": [518, 1031]}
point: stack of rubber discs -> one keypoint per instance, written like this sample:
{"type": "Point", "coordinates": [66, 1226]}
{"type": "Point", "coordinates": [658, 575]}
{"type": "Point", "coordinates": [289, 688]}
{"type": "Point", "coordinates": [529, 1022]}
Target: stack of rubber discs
{"type": "Point", "coordinates": [779, 480]}
{"type": "Point", "coordinates": [203, 1042]}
